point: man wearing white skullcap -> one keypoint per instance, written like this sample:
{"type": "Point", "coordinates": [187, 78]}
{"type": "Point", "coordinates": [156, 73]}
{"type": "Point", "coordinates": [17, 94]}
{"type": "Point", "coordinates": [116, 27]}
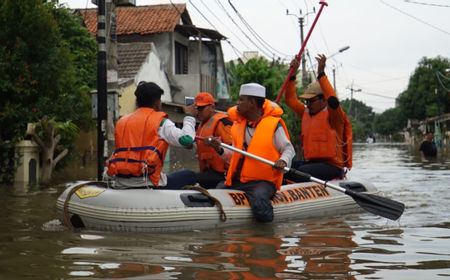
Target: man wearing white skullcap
{"type": "Point", "coordinates": [253, 89]}
{"type": "Point", "coordinates": [258, 129]}
{"type": "Point", "coordinates": [326, 131]}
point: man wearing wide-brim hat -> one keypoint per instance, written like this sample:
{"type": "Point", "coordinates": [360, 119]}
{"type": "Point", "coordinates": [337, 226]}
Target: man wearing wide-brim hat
{"type": "Point", "coordinates": [326, 132]}
{"type": "Point", "coordinates": [258, 129]}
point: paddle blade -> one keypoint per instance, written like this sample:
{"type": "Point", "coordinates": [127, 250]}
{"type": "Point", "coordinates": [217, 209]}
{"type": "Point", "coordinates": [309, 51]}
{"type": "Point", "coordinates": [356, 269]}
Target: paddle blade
{"type": "Point", "coordinates": [378, 205]}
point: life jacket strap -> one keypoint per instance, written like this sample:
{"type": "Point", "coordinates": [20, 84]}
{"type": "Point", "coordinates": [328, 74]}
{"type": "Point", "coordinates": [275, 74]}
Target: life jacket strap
{"type": "Point", "coordinates": [138, 149]}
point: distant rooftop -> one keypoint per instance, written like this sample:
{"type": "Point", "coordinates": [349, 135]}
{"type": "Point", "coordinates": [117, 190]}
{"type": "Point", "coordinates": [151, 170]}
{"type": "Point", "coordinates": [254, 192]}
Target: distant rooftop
{"type": "Point", "coordinates": [131, 58]}
{"type": "Point", "coordinates": [142, 20]}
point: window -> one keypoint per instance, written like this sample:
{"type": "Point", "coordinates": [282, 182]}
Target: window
{"type": "Point", "coordinates": [181, 59]}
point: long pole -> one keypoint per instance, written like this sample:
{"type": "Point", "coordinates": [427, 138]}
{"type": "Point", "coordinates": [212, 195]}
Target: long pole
{"type": "Point", "coordinates": [101, 88]}
{"type": "Point", "coordinates": [292, 70]}
{"type": "Point", "coordinates": [377, 205]}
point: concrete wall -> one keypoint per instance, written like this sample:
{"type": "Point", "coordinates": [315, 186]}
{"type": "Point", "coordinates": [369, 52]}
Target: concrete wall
{"type": "Point", "coordinates": [127, 100]}
{"type": "Point", "coordinates": [222, 86]}
{"type": "Point", "coordinates": [152, 70]}
{"type": "Point", "coordinates": [161, 63]}
{"type": "Point", "coordinates": [190, 86]}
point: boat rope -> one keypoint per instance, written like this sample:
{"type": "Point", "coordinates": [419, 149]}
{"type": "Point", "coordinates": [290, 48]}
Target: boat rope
{"type": "Point", "coordinates": [223, 216]}
{"type": "Point", "coordinates": [66, 215]}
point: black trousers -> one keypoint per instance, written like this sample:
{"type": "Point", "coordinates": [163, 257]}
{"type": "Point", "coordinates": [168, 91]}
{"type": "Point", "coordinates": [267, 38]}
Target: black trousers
{"type": "Point", "coordinates": [317, 169]}
{"type": "Point", "coordinates": [209, 179]}
{"type": "Point", "coordinates": [259, 194]}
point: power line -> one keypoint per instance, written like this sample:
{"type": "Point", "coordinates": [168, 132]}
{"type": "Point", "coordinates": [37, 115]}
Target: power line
{"type": "Point", "coordinates": [255, 34]}
{"type": "Point", "coordinates": [235, 50]}
{"type": "Point", "coordinates": [378, 95]}
{"type": "Point", "coordinates": [369, 71]}
{"type": "Point", "coordinates": [388, 80]}
{"type": "Point", "coordinates": [195, 7]}
{"type": "Point", "coordinates": [225, 25]}
{"type": "Point", "coordinates": [438, 76]}
{"type": "Point", "coordinates": [240, 29]}
{"type": "Point", "coordinates": [427, 4]}
{"type": "Point", "coordinates": [416, 18]}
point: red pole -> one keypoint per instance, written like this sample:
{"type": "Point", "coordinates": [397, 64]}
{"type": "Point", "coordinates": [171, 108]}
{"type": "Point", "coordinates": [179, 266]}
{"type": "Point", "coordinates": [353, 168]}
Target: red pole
{"type": "Point", "coordinates": [291, 70]}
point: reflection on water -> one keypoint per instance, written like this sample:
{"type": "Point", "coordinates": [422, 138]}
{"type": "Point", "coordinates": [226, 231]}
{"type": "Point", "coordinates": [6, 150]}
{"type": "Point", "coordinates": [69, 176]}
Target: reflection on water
{"type": "Point", "coordinates": [34, 246]}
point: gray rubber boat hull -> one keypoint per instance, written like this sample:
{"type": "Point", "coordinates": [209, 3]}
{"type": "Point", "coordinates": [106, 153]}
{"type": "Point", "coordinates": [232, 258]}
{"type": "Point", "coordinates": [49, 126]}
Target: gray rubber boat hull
{"type": "Point", "coordinates": [94, 206]}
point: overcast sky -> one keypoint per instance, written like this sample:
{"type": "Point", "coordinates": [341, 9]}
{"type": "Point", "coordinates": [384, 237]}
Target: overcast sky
{"type": "Point", "coordinates": [387, 38]}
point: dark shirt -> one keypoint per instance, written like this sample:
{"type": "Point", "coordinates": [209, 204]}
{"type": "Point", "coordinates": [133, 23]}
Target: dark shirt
{"type": "Point", "coordinates": [428, 148]}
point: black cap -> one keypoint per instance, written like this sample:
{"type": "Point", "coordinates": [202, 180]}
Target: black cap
{"type": "Point", "coordinates": [147, 93]}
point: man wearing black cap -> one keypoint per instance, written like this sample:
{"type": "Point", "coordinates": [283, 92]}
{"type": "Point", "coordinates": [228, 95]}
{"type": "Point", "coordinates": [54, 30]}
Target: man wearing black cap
{"type": "Point", "coordinates": [142, 140]}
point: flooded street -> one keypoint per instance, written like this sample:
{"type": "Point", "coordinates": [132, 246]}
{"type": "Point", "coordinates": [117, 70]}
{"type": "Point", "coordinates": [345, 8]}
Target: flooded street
{"type": "Point", "coordinates": [359, 246]}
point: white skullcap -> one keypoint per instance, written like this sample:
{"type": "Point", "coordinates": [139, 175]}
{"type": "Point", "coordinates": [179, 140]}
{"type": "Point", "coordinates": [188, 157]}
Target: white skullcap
{"type": "Point", "coordinates": [253, 89]}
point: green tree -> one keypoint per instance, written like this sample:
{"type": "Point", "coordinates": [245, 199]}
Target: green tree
{"type": "Point", "coordinates": [361, 117]}
{"type": "Point", "coordinates": [257, 70]}
{"type": "Point", "coordinates": [389, 122]}
{"type": "Point", "coordinates": [270, 74]}
{"type": "Point", "coordinates": [426, 95]}
{"type": "Point", "coordinates": [47, 68]}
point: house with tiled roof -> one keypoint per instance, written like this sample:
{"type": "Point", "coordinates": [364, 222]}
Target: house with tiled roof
{"type": "Point", "coordinates": [160, 43]}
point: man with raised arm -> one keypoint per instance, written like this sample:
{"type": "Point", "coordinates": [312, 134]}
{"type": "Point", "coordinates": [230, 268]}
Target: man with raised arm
{"type": "Point", "coordinates": [326, 132]}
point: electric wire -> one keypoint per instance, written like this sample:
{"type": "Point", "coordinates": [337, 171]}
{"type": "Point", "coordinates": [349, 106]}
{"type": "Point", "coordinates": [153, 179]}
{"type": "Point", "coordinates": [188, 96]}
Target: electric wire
{"type": "Point", "coordinates": [210, 23]}
{"type": "Point", "coordinates": [242, 31]}
{"type": "Point", "coordinates": [427, 4]}
{"type": "Point", "coordinates": [255, 34]}
{"type": "Point", "coordinates": [438, 74]}
{"type": "Point", "coordinates": [235, 50]}
{"type": "Point", "coordinates": [378, 95]}
{"type": "Point", "coordinates": [416, 18]}
{"type": "Point", "coordinates": [225, 25]}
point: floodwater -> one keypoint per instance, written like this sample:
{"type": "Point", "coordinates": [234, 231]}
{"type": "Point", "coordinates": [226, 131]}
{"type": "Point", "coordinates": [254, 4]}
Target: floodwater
{"type": "Point", "coordinates": [360, 246]}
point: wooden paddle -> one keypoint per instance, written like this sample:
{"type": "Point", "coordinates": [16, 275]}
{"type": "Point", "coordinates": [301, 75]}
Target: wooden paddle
{"type": "Point", "coordinates": [374, 204]}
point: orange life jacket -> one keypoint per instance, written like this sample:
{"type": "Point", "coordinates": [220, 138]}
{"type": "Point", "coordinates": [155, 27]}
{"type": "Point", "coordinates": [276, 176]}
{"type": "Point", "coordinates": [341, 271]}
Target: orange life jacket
{"type": "Point", "coordinates": [208, 158]}
{"type": "Point", "coordinates": [260, 145]}
{"type": "Point", "coordinates": [320, 141]}
{"type": "Point", "coordinates": [339, 121]}
{"type": "Point", "coordinates": [139, 149]}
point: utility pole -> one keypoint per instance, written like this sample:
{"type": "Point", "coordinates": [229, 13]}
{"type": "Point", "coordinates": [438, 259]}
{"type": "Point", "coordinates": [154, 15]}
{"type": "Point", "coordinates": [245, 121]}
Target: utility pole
{"type": "Point", "coordinates": [303, 59]}
{"type": "Point", "coordinates": [334, 78]}
{"type": "Point", "coordinates": [300, 22]}
{"type": "Point", "coordinates": [112, 76]}
{"type": "Point", "coordinates": [107, 78]}
{"type": "Point", "coordinates": [102, 143]}
{"type": "Point", "coordinates": [352, 90]}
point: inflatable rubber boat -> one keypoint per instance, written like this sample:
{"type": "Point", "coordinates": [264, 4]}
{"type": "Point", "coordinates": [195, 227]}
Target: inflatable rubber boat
{"type": "Point", "coordinates": [93, 205]}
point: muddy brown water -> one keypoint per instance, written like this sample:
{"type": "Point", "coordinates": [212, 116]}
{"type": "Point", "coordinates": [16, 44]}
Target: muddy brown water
{"type": "Point", "coordinates": [361, 246]}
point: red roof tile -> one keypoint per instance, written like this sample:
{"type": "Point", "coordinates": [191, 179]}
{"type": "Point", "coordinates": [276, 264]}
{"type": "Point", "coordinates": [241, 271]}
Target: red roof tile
{"type": "Point", "coordinates": [131, 57]}
{"type": "Point", "coordinates": [139, 20]}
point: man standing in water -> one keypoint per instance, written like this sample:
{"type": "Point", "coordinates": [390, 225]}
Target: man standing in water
{"type": "Point", "coordinates": [428, 147]}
